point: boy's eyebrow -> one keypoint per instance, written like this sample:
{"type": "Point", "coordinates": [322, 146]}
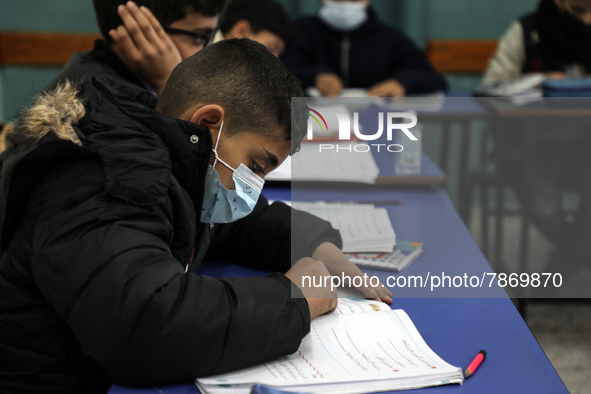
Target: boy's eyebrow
{"type": "Point", "coordinates": [271, 158]}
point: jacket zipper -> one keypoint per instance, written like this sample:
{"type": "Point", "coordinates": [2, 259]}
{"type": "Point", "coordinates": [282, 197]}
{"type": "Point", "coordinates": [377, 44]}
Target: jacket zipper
{"type": "Point", "coordinates": [200, 228]}
{"type": "Point", "coordinates": [345, 52]}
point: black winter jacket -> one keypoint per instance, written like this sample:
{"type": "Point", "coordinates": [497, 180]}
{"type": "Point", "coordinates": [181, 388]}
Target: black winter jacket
{"type": "Point", "coordinates": [99, 219]}
{"type": "Point", "coordinates": [309, 230]}
{"type": "Point", "coordinates": [100, 61]}
{"type": "Point", "coordinates": [362, 58]}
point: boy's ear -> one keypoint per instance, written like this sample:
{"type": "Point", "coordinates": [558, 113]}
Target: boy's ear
{"type": "Point", "coordinates": [209, 115]}
{"type": "Point", "coordinates": [241, 29]}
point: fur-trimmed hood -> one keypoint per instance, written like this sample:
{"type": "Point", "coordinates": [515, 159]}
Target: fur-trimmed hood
{"type": "Point", "coordinates": [53, 112]}
{"type": "Point", "coordinates": [139, 148]}
{"type": "Point", "coordinates": [5, 131]}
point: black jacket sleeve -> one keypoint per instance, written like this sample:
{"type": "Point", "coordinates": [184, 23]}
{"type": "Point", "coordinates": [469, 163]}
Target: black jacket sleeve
{"type": "Point", "coordinates": [301, 56]}
{"type": "Point", "coordinates": [106, 267]}
{"type": "Point", "coordinates": [272, 237]}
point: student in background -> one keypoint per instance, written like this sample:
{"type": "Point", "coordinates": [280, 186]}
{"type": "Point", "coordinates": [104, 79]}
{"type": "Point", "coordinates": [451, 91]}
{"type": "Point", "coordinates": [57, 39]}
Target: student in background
{"type": "Point", "coordinates": [145, 40]}
{"type": "Point", "coordinates": [103, 199]}
{"type": "Point", "coordinates": [555, 39]}
{"type": "Point", "coordinates": [346, 46]}
{"type": "Point", "coordinates": [264, 21]}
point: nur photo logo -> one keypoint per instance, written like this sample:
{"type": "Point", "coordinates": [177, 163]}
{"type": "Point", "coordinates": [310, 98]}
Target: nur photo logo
{"type": "Point", "coordinates": [388, 124]}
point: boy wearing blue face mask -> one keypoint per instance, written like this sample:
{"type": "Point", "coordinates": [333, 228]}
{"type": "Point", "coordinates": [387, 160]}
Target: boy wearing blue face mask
{"type": "Point", "coordinates": [346, 46]}
{"type": "Point", "coordinates": [104, 202]}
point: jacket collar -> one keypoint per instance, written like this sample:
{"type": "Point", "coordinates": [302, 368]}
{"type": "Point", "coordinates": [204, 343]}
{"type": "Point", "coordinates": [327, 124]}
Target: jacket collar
{"type": "Point", "coordinates": [117, 108]}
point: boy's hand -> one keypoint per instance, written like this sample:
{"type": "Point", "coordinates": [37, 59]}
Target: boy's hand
{"type": "Point", "coordinates": [338, 265]}
{"type": "Point", "coordinates": [329, 85]}
{"type": "Point", "coordinates": [322, 299]}
{"type": "Point", "coordinates": [388, 88]}
{"type": "Point", "coordinates": [144, 46]}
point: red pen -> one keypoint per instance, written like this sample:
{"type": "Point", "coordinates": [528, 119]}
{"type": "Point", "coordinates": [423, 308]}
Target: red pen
{"type": "Point", "coordinates": [475, 363]}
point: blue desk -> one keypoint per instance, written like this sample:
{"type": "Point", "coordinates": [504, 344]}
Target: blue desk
{"type": "Point", "coordinates": [462, 111]}
{"type": "Point", "coordinates": [455, 328]}
{"type": "Point", "coordinates": [430, 174]}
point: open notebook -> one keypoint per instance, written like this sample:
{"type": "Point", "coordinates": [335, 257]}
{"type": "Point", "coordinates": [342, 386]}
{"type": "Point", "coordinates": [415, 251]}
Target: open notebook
{"type": "Point", "coordinates": [362, 347]}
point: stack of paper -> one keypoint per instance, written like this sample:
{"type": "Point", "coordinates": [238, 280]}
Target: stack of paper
{"type": "Point", "coordinates": [347, 92]}
{"type": "Point", "coordinates": [336, 164]}
{"type": "Point", "coordinates": [522, 90]}
{"type": "Point", "coordinates": [324, 157]}
{"type": "Point", "coordinates": [354, 98]}
{"type": "Point", "coordinates": [363, 227]}
{"type": "Point", "coordinates": [362, 347]}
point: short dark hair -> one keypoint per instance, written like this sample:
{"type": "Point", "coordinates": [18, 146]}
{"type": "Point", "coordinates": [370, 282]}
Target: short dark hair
{"type": "Point", "coordinates": [244, 78]}
{"type": "Point", "coordinates": [261, 14]}
{"type": "Point", "coordinates": [166, 12]}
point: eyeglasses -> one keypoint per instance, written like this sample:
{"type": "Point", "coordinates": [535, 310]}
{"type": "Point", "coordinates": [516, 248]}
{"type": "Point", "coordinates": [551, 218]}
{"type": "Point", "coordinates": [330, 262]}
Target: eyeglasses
{"type": "Point", "coordinates": [201, 38]}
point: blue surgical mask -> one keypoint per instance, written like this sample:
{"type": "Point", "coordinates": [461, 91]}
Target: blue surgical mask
{"type": "Point", "coordinates": [221, 205]}
{"type": "Point", "coordinates": [343, 16]}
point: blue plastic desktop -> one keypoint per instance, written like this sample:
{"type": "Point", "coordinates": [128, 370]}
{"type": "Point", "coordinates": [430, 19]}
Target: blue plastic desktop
{"type": "Point", "coordinates": [455, 328]}
{"type": "Point", "coordinates": [430, 174]}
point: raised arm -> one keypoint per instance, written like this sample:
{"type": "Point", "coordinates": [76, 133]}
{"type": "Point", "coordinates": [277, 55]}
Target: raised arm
{"type": "Point", "coordinates": [144, 46]}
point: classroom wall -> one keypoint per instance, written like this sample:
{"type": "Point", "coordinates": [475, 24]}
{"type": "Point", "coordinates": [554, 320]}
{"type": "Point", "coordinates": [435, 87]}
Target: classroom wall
{"type": "Point", "coordinates": [468, 19]}
{"type": "Point", "coordinates": [19, 84]}
{"type": "Point", "coordinates": [420, 19]}
{"type": "Point", "coordinates": [1, 98]}
{"type": "Point", "coordinates": [443, 19]}
{"type": "Point", "coordinates": [440, 19]}
{"type": "Point", "coordinates": [48, 15]}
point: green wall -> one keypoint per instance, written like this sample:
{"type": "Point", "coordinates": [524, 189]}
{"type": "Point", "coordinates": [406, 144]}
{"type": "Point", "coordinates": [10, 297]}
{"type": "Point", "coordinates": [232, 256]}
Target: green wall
{"type": "Point", "coordinates": [19, 84]}
{"type": "Point", "coordinates": [420, 19]}
{"type": "Point", "coordinates": [48, 15]}
{"type": "Point", "coordinates": [440, 19]}
{"type": "Point", "coordinates": [424, 19]}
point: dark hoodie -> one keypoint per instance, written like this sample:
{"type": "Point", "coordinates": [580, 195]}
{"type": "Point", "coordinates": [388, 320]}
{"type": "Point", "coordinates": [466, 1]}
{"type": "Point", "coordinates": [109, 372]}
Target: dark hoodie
{"type": "Point", "coordinates": [362, 58]}
{"type": "Point", "coordinates": [555, 40]}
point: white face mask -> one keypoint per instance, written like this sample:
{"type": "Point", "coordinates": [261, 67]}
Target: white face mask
{"type": "Point", "coordinates": [221, 205]}
{"type": "Point", "coordinates": [343, 16]}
